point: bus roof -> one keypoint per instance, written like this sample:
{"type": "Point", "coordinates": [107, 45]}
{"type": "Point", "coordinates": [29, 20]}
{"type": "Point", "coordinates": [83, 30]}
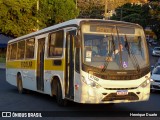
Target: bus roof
{"type": "Point", "coordinates": [67, 23]}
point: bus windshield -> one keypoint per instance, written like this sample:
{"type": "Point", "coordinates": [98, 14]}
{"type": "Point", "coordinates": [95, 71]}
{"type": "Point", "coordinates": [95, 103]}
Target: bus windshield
{"type": "Point", "coordinates": [114, 47]}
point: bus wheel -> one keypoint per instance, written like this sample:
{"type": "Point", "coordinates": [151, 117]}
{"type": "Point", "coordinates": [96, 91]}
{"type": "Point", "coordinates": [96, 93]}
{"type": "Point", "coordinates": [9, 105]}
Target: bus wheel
{"type": "Point", "coordinates": [19, 84]}
{"type": "Point", "coordinates": [60, 100]}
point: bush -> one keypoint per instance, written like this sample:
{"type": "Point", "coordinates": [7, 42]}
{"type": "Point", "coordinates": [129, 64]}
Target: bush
{"type": "Point", "coordinates": [2, 60]}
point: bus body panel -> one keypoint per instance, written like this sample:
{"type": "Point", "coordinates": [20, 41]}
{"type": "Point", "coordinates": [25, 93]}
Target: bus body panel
{"type": "Point", "coordinates": [28, 78]}
{"type": "Point", "coordinates": [49, 74]}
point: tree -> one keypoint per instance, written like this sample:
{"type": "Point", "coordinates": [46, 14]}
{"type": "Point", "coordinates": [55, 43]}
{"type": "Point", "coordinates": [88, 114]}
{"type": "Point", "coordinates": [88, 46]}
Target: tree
{"type": "Point", "coordinates": [113, 4]}
{"type": "Point", "coordinates": [58, 11]}
{"type": "Point", "coordinates": [154, 21]}
{"type": "Point", "coordinates": [17, 17]}
{"type": "Point", "coordinates": [146, 15]}
{"type": "Point", "coordinates": [96, 8]}
{"type": "Point", "coordinates": [132, 13]}
{"type": "Point", "coordinates": [91, 8]}
{"type": "Point", "coordinates": [20, 17]}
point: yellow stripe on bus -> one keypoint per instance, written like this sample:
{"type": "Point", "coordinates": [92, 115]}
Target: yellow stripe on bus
{"type": "Point", "coordinates": [31, 64]}
{"type": "Point", "coordinates": [49, 65]}
{"type": "Point", "coordinates": [24, 64]}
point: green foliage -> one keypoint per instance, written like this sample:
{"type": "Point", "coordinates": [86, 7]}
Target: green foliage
{"type": "Point", "coordinates": [2, 60]}
{"type": "Point", "coordinates": [146, 15]}
{"type": "Point", "coordinates": [20, 17]}
{"type": "Point", "coordinates": [17, 17]}
{"type": "Point", "coordinates": [113, 4]}
{"type": "Point", "coordinates": [92, 12]}
{"type": "Point", "coordinates": [56, 11]}
{"type": "Point", "coordinates": [154, 21]}
{"type": "Point", "coordinates": [2, 57]}
{"type": "Point", "coordinates": [96, 8]}
{"type": "Point", "coordinates": [64, 10]}
{"type": "Point", "coordinates": [91, 8]}
{"type": "Point", "coordinates": [131, 13]}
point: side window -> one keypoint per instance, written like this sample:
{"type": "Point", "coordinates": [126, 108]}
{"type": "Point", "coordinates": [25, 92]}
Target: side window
{"type": "Point", "coordinates": [8, 52]}
{"type": "Point", "coordinates": [21, 50]}
{"type": "Point", "coordinates": [77, 66]}
{"type": "Point", "coordinates": [30, 44]}
{"type": "Point", "coordinates": [13, 51]}
{"type": "Point", "coordinates": [56, 44]}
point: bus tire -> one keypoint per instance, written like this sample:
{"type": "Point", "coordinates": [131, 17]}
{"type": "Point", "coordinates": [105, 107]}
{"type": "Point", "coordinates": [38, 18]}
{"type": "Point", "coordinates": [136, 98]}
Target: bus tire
{"type": "Point", "coordinates": [19, 84]}
{"type": "Point", "coordinates": [60, 100]}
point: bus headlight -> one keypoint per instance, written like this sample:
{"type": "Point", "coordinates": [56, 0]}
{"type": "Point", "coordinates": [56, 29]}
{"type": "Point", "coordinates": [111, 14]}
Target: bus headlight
{"type": "Point", "coordinates": [145, 83]}
{"type": "Point", "coordinates": [90, 82]}
{"type": "Point", "coordinates": [94, 84]}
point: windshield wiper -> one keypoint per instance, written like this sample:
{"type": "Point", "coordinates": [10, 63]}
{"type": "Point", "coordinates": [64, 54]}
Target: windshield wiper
{"type": "Point", "coordinates": [119, 49]}
{"type": "Point", "coordinates": [109, 55]}
{"type": "Point", "coordinates": [139, 44]}
{"type": "Point", "coordinates": [132, 56]}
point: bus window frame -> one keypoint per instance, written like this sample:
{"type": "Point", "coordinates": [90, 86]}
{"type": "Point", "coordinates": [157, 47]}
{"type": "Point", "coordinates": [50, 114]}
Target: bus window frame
{"type": "Point", "coordinates": [8, 52]}
{"type": "Point", "coordinates": [49, 44]}
{"type": "Point", "coordinates": [12, 59]}
{"type": "Point", "coordinates": [26, 48]}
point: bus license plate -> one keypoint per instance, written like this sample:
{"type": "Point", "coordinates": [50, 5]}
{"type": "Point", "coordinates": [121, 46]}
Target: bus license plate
{"type": "Point", "coordinates": [122, 92]}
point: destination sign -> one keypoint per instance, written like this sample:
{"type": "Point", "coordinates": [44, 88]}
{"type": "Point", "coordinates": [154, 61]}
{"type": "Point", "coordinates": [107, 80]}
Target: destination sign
{"type": "Point", "coordinates": [112, 29]}
{"type": "Point", "coordinates": [97, 28]}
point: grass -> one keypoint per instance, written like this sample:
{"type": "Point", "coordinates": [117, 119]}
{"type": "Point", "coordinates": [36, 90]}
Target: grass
{"type": "Point", "coordinates": [2, 60]}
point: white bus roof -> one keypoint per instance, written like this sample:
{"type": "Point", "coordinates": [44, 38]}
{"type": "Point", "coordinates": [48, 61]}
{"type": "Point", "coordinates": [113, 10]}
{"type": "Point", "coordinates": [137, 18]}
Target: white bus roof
{"type": "Point", "coordinates": [63, 24]}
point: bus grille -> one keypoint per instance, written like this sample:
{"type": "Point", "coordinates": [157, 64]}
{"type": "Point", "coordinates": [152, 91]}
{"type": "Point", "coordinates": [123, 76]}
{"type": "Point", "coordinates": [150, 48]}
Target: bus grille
{"type": "Point", "coordinates": [121, 88]}
{"type": "Point", "coordinates": [114, 96]}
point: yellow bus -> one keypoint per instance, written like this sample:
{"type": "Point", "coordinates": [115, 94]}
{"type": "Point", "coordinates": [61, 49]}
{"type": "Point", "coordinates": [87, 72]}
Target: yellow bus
{"type": "Point", "coordinates": [83, 60]}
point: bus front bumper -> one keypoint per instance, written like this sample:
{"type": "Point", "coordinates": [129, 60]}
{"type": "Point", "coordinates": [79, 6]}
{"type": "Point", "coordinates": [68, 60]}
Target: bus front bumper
{"type": "Point", "coordinates": [101, 95]}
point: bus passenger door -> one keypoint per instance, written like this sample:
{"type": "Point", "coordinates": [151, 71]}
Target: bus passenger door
{"type": "Point", "coordinates": [69, 69]}
{"type": "Point", "coordinates": [40, 64]}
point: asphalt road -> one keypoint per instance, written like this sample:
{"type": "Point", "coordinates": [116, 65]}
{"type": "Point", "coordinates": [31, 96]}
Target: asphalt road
{"type": "Point", "coordinates": [11, 100]}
